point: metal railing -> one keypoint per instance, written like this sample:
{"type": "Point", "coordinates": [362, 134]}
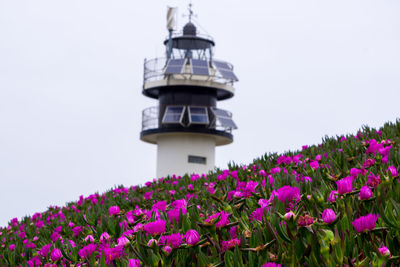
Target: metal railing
{"type": "Point", "coordinates": [154, 71]}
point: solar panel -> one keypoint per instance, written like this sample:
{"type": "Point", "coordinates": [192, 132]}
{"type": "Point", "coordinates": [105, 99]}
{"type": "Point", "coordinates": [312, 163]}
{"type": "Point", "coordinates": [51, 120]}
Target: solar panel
{"type": "Point", "coordinates": [198, 115]}
{"type": "Point", "coordinates": [221, 112]}
{"type": "Point", "coordinates": [229, 75]}
{"type": "Point", "coordinates": [200, 67]}
{"type": "Point", "coordinates": [222, 65]}
{"type": "Point", "coordinates": [227, 122]}
{"type": "Point", "coordinates": [226, 70]}
{"type": "Point", "coordinates": [175, 66]}
{"type": "Point", "coordinates": [173, 114]}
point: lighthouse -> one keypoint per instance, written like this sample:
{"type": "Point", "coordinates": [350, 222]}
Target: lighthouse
{"type": "Point", "coordinates": [188, 82]}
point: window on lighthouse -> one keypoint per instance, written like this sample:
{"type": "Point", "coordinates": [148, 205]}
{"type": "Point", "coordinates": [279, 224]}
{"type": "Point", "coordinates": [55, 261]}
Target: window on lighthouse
{"type": "Point", "coordinates": [173, 115]}
{"type": "Point", "coordinates": [197, 159]}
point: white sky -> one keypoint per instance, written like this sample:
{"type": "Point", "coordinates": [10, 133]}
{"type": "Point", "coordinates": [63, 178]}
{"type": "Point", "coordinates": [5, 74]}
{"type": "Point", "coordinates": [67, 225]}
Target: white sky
{"type": "Point", "coordinates": [71, 77]}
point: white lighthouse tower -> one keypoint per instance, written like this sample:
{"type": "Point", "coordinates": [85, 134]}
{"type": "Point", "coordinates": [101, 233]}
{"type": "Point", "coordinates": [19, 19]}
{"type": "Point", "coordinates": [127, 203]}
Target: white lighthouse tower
{"type": "Point", "coordinates": [186, 125]}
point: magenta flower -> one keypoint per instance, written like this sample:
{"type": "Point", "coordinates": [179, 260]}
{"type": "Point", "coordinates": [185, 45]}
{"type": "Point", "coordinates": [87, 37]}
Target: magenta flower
{"type": "Point", "coordinates": [365, 193]}
{"type": "Point", "coordinates": [152, 242]}
{"type": "Point", "coordinates": [114, 210]}
{"type": "Point", "coordinates": [393, 171]}
{"type": "Point", "coordinates": [167, 249]}
{"type": "Point", "coordinates": [122, 241]}
{"type": "Point", "coordinates": [130, 217]}
{"type": "Point", "coordinates": [174, 214]}
{"type": "Point", "coordinates": [113, 253]}
{"type": "Point", "coordinates": [192, 237]}
{"type": "Point", "coordinates": [226, 245]}
{"type": "Point", "coordinates": [314, 164]}
{"type": "Point", "coordinates": [332, 196]}
{"type": "Point", "coordinates": [384, 251]}
{"type": "Point", "coordinates": [373, 180]}
{"type": "Point", "coordinates": [44, 250]}
{"type": "Point", "coordinates": [87, 251]}
{"type": "Point", "coordinates": [148, 195]}
{"type": "Point", "coordinates": [172, 240]}
{"type": "Point", "coordinates": [364, 223]}
{"type": "Point", "coordinates": [155, 228]}
{"type": "Point", "coordinates": [288, 193]}
{"type": "Point", "coordinates": [133, 263]}
{"type": "Point", "coordinates": [328, 216]}
{"type": "Point", "coordinates": [11, 247]}
{"type": "Point", "coordinates": [345, 185]}
{"type": "Point", "coordinates": [368, 163]}
{"type": "Point", "coordinates": [55, 254]}
{"type": "Point", "coordinates": [354, 172]}
{"type": "Point", "coordinates": [223, 218]}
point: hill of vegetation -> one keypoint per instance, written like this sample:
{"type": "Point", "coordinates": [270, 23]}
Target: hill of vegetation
{"type": "Point", "coordinates": [333, 204]}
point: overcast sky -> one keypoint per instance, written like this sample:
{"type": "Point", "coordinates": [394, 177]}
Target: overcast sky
{"type": "Point", "coordinates": [71, 76]}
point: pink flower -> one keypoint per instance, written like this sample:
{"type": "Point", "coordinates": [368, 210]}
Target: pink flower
{"type": "Point", "coordinates": [223, 218]}
{"type": "Point", "coordinates": [122, 241]}
{"type": "Point", "coordinates": [384, 251]}
{"type": "Point", "coordinates": [192, 237]}
{"type": "Point", "coordinates": [288, 215]}
{"type": "Point", "coordinates": [152, 242]}
{"type": "Point", "coordinates": [89, 238]}
{"type": "Point", "coordinates": [77, 230]}
{"type": "Point", "coordinates": [364, 223]}
{"type": "Point", "coordinates": [130, 217]}
{"type": "Point", "coordinates": [226, 245]}
{"type": "Point", "coordinates": [173, 240]}
{"type": "Point", "coordinates": [167, 249]}
{"type": "Point", "coordinates": [354, 172]}
{"type": "Point", "coordinates": [133, 263]}
{"type": "Point", "coordinates": [55, 254]}
{"type": "Point", "coordinates": [365, 193]}
{"type": "Point", "coordinates": [155, 228]}
{"type": "Point", "coordinates": [373, 180]}
{"type": "Point", "coordinates": [288, 193]}
{"type": "Point", "coordinates": [87, 251]}
{"type": "Point", "coordinates": [314, 164]}
{"type": "Point", "coordinates": [369, 163]}
{"type": "Point", "coordinates": [44, 250]}
{"type": "Point", "coordinates": [11, 247]}
{"type": "Point", "coordinates": [328, 216]}
{"type": "Point", "coordinates": [332, 196]}
{"type": "Point", "coordinates": [113, 253]}
{"type": "Point", "coordinates": [345, 185]}
{"type": "Point", "coordinates": [393, 171]}
{"type": "Point", "coordinates": [104, 236]}
{"type": "Point", "coordinates": [114, 210]}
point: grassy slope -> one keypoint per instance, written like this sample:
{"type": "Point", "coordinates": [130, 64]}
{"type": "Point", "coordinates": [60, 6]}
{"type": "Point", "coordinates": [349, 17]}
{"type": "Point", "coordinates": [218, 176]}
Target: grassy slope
{"type": "Point", "coordinates": [238, 213]}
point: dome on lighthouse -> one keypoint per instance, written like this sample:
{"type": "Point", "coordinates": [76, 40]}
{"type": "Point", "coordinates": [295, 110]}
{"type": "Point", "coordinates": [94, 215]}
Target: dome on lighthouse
{"type": "Point", "coordinates": [189, 29]}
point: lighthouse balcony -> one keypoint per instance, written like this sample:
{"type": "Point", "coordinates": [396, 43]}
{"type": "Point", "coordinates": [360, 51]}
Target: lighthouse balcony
{"type": "Point", "coordinates": [160, 73]}
{"type": "Point", "coordinates": [187, 120]}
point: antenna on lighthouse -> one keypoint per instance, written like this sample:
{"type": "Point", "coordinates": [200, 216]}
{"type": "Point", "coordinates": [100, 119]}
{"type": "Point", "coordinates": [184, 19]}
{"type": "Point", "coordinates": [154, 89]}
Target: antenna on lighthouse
{"type": "Point", "coordinates": [171, 25]}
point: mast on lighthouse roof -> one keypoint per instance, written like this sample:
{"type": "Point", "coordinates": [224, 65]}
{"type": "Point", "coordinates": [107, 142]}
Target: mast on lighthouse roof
{"type": "Point", "coordinates": [187, 125]}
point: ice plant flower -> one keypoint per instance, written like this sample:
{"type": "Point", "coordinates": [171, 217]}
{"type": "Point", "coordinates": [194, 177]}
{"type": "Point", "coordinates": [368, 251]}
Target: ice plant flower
{"type": "Point", "coordinates": [133, 263]}
{"type": "Point", "coordinates": [393, 171]}
{"type": "Point", "coordinates": [192, 237]}
{"type": "Point", "coordinates": [384, 251]}
{"type": "Point", "coordinates": [373, 180]}
{"type": "Point", "coordinates": [332, 196]}
{"type": "Point", "coordinates": [44, 250]}
{"type": "Point", "coordinates": [328, 216]}
{"type": "Point", "coordinates": [305, 220]}
{"type": "Point", "coordinates": [365, 223]}
{"type": "Point", "coordinates": [173, 240]}
{"type": "Point", "coordinates": [155, 228]}
{"type": "Point", "coordinates": [114, 210]}
{"type": "Point", "coordinates": [113, 253]}
{"type": "Point", "coordinates": [55, 254]}
{"type": "Point", "coordinates": [87, 251]}
{"type": "Point", "coordinates": [288, 193]}
{"type": "Point", "coordinates": [289, 215]}
{"type": "Point", "coordinates": [365, 193]}
{"type": "Point", "coordinates": [227, 245]}
{"type": "Point", "coordinates": [345, 185]}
